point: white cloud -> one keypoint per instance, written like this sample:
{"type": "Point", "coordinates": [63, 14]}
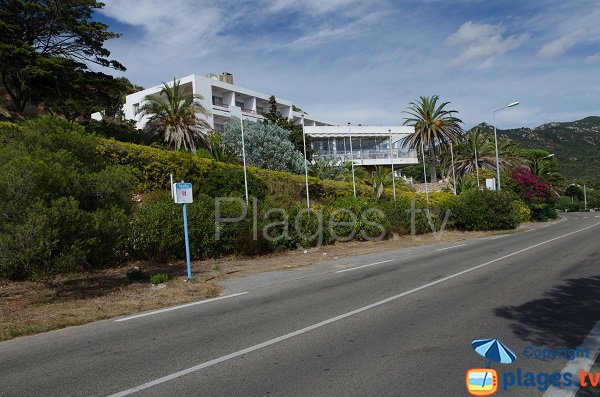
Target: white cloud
{"type": "Point", "coordinates": [311, 6]}
{"type": "Point", "coordinates": [592, 59]}
{"type": "Point", "coordinates": [480, 41]}
{"type": "Point", "coordinates": [562, 44]}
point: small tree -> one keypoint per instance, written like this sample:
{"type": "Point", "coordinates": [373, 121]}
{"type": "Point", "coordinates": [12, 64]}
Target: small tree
{"type": "Point", "coordinates": [267, 146]}
{"type": "Point", "coordinates": [295, 130]}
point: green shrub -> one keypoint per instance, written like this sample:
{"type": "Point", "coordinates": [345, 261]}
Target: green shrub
{"type": "Point", "coordinates": [486, 210]}
{"type": "Point", "coordinates": [524, 211]}
{"type": "Point", "coordinates": [159, 278]}
{"type": "Point", "coordinates": [62, 206]}
{"type": "Point", "coordinates": [543, 212]}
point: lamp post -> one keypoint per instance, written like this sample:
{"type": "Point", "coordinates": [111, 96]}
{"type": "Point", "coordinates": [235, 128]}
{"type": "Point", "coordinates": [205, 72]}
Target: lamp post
{"type": "Point", "coordinates": [453, 170]}
{"type": "Point", "coordinates": [305, 164]}
{"type": "Point", "coordinates": [510, 105]}
{"type": "Point", "coordinates": [425, 173]}
{"type": "Point", "coordinates": [392, 160]}
{"type": "Point", "coordinates": [584, 197]}
{"type": "Point", "coordinates": [352, 160]}
{"type": "Point", "coordinates": [244, 158]}
{"type": "Point", "coordinates": [476, 166]}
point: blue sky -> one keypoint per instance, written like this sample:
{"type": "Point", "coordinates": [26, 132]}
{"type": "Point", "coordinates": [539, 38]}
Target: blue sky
{"type": "Point", "coordinates": [364, 61]}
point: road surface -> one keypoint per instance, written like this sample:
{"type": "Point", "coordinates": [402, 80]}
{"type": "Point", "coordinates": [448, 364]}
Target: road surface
{"type": "Point", "coordinates": [395, 323]}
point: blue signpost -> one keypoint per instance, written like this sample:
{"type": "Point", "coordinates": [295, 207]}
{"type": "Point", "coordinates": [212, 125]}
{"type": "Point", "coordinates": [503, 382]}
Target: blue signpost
{"type": "Point", "coordinates": [182, 194]}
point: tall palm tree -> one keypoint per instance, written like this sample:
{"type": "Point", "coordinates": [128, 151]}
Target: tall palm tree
{"type": "Point", "coordinates": [434, 126]}
{"type": "Point", "coordinates": [174, 114]}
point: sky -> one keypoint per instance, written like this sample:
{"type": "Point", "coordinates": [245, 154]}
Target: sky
{"type": "Point", "coordinates": [365, 61]}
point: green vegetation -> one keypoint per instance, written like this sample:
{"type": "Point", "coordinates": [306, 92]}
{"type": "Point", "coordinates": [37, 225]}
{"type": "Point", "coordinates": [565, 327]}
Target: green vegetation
{"type": "Point", "coordinates": [159, 278]}
{"type": "Point", "coordinates": [434, 127]}
{"type": "Point", "coordinates": [172, 115]}
{"type": "Point", "coordinates": [267, 145]}
{"type": "Point", "coordinates": [46, 49]}
{"type": "Point", "coordinates": [95, 202]}
{"type": "Point", "coordinates": [575, 145]}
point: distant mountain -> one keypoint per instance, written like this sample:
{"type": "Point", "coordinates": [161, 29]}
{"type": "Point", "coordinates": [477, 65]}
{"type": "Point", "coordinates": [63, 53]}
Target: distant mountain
{"type": "Point", "coordinates": [576, 144]}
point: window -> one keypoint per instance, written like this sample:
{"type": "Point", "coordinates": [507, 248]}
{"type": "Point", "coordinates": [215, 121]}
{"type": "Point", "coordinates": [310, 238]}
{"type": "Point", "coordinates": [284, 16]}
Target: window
{"type": "Point", "coordinates": [217, 100]}
{"type": "Point", "coordinates": [260, 110]}
{"type": "Point", "coordinates": [239, 104]}
{"type": "Point", "coordinates": [219, 127]}
{"type": "Point", "coordinates": [136, 108]}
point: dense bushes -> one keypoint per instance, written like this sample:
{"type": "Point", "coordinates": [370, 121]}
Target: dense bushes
{"type": "Point", "coordinates": [61, 205]}
{"type": "Point", "coordinates": [486, 210]}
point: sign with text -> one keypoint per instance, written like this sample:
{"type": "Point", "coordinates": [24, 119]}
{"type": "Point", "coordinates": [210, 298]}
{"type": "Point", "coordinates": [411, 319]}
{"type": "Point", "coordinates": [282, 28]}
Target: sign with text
{"type": "Point", "coordinates": [183, 193]}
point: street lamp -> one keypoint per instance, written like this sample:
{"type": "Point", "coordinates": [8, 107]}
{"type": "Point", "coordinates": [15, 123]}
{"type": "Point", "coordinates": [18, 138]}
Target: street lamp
{"type": "Point", "coordinates": [244, 157]}
{"type": "Point", "coordinates": [453, 170]}
{"type": "Point", "coordinates": [352, 160]}
{"type": "Point", "coordinates": [425, 173]}
{"type": "Point", "coordinates": [510, 105]}
{"type": "Point", "coordinates": [305, 164]}
{"type": "Point", "coordinates": [392, 160]}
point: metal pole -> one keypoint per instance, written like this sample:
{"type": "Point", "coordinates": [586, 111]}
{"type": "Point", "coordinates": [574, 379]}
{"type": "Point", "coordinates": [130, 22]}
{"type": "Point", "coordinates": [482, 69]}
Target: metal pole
{"type": "Point", "coordinates": [476, 165]}
{"type": "Point", "coordinates": [425, 173]}
{"type": "Point", "coordinates": [453, 171]}
{"type": "Point", "coordinates": [352, 160]}
{"type": "Point", "coordinates": [497, 161]}
{"type": "Point", "coordinates": [392, 159]}
{"type": "Point", "coordinates": [244, 159]}
{"type": "Point", "coordinates": [584, 196]}
{"type": "Point", "coordinates": [187, 243]}
{"type": "Point", "coordinates": [305, 164]}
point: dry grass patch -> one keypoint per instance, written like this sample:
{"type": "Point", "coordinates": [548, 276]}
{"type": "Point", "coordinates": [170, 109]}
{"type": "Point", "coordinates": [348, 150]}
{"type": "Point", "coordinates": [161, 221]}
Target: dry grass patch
{"type": "Point", "coordinates": [32, 307]}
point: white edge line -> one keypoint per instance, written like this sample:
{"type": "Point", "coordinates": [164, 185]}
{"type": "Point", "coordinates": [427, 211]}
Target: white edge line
{"type": "Point", "coordinates": [592, 344]}
{"type": "Point", "coordinates": [360, 267]}
{"type": "Point", "coordinates": [270, 342]}
{"type": "Point", "coordinates": [447, 248]}
{"type": "Point", "coordinates": [179, 307]}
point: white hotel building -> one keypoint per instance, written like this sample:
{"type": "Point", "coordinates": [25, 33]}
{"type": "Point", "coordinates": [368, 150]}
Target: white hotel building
{"type": "Point", "coordinates": [223, 99]}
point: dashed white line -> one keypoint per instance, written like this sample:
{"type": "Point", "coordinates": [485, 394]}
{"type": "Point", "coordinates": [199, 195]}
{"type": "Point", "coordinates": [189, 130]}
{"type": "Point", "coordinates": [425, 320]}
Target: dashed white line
{"type": "Point", "coordinates": [168, 309]}
{"type": "Point", "coordinates": [447, 248]}
{"type": "Point", "coordinates": [360, 267]}
{"type": "Point", "coordinates": [591, 344]}
{"type": "Point", "coordinates": [301, 331]}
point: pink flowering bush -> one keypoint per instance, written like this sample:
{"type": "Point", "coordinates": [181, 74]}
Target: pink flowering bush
{"type": "Point", "coordinates": [534, 191]}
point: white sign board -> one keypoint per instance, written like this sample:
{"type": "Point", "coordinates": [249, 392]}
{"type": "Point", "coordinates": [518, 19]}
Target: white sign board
{"type": "Point", "coordinates": [490, 183]}
{"type": "Point", "coordinates": [183, 193]}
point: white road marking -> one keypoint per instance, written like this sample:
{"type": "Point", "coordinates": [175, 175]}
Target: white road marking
{"type": "Point", "coordinates": [360, 267]}
{"type": "Point", "coordinates": [447, 248]}
{"type": "Point", "coordinates": [597, 216]}
{"type": "Point", "coordinates": [592, 344]}
{"type": "Point", "coordinates": [586, 217]}
{"type": "Point", "coordinates": [168, 309]}
{"type": "Point", "coordinates": [270, 342]}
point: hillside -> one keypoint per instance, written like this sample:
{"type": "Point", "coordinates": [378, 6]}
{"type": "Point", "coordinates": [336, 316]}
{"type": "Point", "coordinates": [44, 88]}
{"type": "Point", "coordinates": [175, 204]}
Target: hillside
{"type": "Point", "coordinates": [575, 144]}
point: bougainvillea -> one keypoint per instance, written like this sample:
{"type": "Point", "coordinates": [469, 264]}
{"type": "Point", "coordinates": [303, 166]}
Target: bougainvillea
{"type": "Point", "coordinates": [531, 188]}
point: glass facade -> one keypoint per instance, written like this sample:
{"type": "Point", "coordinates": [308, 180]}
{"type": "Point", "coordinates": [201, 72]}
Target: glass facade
{"type": "Point", "coordinates": [362, 148]}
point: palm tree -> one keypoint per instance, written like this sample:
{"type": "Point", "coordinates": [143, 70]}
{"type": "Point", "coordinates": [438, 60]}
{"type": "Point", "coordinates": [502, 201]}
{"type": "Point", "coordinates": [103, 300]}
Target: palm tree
{"type": "Point", "coordinates": [434, 126]}
{"type": "Point", "coordinates": [382, 177]}
{"type": "Point", "coordinates": [173, 114]}
{"type": "Point", "coordinates": [476, 150]}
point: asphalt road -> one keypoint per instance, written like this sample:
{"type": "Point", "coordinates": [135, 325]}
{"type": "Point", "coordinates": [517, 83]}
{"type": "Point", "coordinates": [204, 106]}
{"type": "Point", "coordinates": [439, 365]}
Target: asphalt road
{"type": "Point", "coordinates": [396, 323]}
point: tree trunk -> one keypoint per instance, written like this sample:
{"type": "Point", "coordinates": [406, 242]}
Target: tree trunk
{"type": "Point", "coordinates": [432, 163]}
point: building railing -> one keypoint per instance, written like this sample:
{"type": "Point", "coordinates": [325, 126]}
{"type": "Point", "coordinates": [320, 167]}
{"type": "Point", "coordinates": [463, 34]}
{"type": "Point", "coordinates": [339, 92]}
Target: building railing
{"type": "Point", "coordinates": [369, 154]}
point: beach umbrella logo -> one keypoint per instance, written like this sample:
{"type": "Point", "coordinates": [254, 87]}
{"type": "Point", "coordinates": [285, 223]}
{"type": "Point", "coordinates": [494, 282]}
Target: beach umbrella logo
{"type": "Point", "coordinates": [493, 350]}
{"type": "Point", "coordinates": [484, 381]}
